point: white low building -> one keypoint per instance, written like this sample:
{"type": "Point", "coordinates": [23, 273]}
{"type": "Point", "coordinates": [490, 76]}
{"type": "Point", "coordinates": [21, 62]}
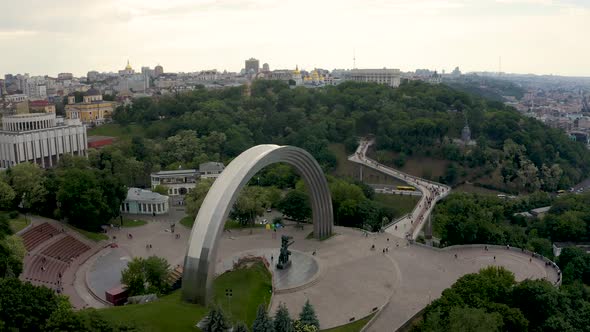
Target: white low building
{"type": "Point", "coordinates": [40, 138]}
{"type": "Point", "coordinates": [178, 182]}
{"type": "Point", "coordinates": [391, 77]}
{"type": "Point", "coordinates": [141, 201]}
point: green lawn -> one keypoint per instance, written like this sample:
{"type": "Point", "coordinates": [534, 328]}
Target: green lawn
{"type": "Point", "coordinates": [355, 326]}
{"type": "Point", "coordinates": [170, 313]}
{"type": "Point", "coordinates": [401, 204]}
{"type": "Point", "coordinates": [90, 235]}
{"type": "Point", "coordinates": [349, 169]}
{"type": "Point", "coordinates": [187, 221]}
{"type": "Point", "coordinates": [133, 222]}
{"type": "Point", "coordinates": [116, 130]}
{"type": "Point", "coordinates": [18, 224]}
{"type": "Point", "coordinates": [250, 287]}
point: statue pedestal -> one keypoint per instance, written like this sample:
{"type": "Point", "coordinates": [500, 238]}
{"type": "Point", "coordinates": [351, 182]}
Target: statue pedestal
{"type": "Point", "coordinates": [284, 266]}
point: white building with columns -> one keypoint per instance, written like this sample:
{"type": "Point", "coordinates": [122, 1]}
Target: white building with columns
{"type": "Point", "coordinates": [40, 138]}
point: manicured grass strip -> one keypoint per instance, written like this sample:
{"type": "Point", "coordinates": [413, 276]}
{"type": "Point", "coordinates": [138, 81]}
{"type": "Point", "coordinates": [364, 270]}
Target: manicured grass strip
{"type": "Point", "coordinates": [400, 203]}
{"type": "Point", "coordinates": [187, 221]}
{"type": "Point", "coordinates": [355, 326]}
{"type": "Point", "coordinates": [18, 224]}
{"type": "Point", "coordinates": [169, 313]}
{"type": "Point", "coordinates": [90, 235]}
{"type": "Point", "coordinates": [249, 287]}
{"type": "Point", "coordinates": [116, 130]}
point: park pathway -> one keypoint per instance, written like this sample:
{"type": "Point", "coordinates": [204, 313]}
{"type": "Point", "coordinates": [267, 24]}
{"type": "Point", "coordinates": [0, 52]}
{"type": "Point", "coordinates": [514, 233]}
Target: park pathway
{"type": "Point", "coordinates": [410, 225]}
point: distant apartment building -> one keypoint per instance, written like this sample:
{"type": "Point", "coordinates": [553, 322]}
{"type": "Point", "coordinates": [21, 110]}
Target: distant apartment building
{"type": "Point", "coordinates": [40, 138]}
{"type": "Point", "coordinates": [252, 66]}
{"type": "Point", "coordinates": [92, 76]}
{"type": "Point", "coordinates": [16, 98]}
{"type": "Point", "coordinates": [158, 71]}
{"type": "Point", "coordinates": [92, 110]}
{"type": "Point", "coordinates": [390, 77]}
{"type": "Point", "coordinates": [65, 76]}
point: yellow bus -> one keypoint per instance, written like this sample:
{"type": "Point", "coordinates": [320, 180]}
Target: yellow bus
{"type": "Point", "coordinates": [406, 188]}
{"type": "Point", "coordinates": [561, 191]}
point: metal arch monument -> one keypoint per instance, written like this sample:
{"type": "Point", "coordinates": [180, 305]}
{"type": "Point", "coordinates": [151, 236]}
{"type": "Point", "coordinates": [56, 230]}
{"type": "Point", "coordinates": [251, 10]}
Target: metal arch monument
{"type": "Point", "coordinates": [201, 257]}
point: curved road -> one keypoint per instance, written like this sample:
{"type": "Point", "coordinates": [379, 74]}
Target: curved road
{"type": "Point", "coordinates": [408, 226]}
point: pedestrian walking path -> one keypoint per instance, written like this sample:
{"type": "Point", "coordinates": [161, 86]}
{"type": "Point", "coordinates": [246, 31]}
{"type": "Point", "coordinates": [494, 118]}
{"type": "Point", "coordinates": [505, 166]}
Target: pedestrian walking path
{"type": "Point", "coordinates": [408, 226]}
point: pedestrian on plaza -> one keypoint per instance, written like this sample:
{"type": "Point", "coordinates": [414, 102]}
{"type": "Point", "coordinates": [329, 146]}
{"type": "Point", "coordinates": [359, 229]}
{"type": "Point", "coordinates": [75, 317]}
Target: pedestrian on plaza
{"type": "Point", "coordinates": [494, 257]}
{"type": "Point", "coordinates": [455, 256]}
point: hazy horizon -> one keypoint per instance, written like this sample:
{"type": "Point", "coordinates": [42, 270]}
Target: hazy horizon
{"type": "Point", "coordinates": [542, 37]}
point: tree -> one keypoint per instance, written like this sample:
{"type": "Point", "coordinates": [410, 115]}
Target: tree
{"type": "Point", "coordinates": [282, 319]}
{"type": "Point", "coordinates": [83, 200]}
{"type": "Point", "coordinates": [27, 181]}
{"type": "Point", "coordinates": [262, 323]}
{"type": "Point", "coordinates": [251, 203]}
{"type": "Point", "coordinates": [240, 327]}
{"type": "Point", "coordinates": [64, 318]}
{"type": "Point", "coordinates": [146, 276]}
{"type": "Point", "coordinates": [195, 197]}
{"type": "Point", "coordinates": [308, 316]}
{"type": "Point", "coordinates": [216, 321]}
{"type": "Point", "coordinates": [133, 277]}
{"type": "Point", "coordinates": [25, 307]}
{"type": "Point", "coordinates": [474, 320]}
{"type": "Point", "coordinates": [160, 189]}
{"type": "Point", "coordinates": [12, 253]}
{"type": "Point", "coordinates": [298, 326]}
{"type": "Point", "coordinates": [7, 195]}
{"type": "Point", "coordinates": [295, 205]}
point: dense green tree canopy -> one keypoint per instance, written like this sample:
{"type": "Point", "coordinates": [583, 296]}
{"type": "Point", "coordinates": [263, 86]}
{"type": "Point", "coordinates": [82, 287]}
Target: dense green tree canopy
{"type": "Point", "coordinates": [414, 119]}
{"type": "Point", "coordinates": [492, 300]}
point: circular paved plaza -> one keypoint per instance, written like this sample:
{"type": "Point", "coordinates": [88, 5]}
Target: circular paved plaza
{"type": "Point", "coordinates": [346, 279]}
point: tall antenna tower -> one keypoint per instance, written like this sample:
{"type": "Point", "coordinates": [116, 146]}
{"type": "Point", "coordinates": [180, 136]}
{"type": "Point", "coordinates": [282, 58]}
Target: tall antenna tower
{"type": "Point", "coordinates": [353, 58]}
{"type": "Point", "coordinates": [500, 66]}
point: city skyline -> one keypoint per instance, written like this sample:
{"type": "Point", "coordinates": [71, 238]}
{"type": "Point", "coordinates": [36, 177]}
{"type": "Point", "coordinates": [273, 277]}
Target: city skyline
{"type": "Point", "coordinates": [531, 36]}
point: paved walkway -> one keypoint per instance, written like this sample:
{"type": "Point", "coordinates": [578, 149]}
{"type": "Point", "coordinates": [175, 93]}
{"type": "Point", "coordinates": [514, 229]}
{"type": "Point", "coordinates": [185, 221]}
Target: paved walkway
{"type": "Point", "coordinates": [411, 225]}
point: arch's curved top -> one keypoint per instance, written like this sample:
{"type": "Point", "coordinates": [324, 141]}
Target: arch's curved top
{"type": "Point", "coordinates": [199, 263]}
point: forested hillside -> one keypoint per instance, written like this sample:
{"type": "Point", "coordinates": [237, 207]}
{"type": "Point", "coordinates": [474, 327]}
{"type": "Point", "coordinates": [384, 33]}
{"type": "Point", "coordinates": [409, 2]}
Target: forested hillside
{"type": "Point", "coordinates": [513, 153]}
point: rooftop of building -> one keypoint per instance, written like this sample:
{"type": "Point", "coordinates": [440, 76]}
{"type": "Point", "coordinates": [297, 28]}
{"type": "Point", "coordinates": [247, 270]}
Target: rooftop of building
{"type": "Point", "coordinates": [138, 194]}
{"type": "Point", "coordinates": [176, 172]}
{"type": "Point", "coordinates": [39, 103]}
{"type": "Point", "coordinates": [211, 166]}
{"type": "Point", "coordinates": [544, 209]}
{"type": "Point", "coordinates": [92, 92]}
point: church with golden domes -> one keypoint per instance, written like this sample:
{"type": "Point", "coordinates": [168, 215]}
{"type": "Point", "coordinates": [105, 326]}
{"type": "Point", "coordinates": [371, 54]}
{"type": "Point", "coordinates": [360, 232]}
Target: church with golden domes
{"type": "Point", "coordinates": [297, 76]}
{"type": "Point", "coordinates": [128, 70]}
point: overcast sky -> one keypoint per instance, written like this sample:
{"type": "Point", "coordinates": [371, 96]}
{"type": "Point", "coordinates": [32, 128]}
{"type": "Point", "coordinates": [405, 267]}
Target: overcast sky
{"type": "Point", "coordinates": [531, 36]}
